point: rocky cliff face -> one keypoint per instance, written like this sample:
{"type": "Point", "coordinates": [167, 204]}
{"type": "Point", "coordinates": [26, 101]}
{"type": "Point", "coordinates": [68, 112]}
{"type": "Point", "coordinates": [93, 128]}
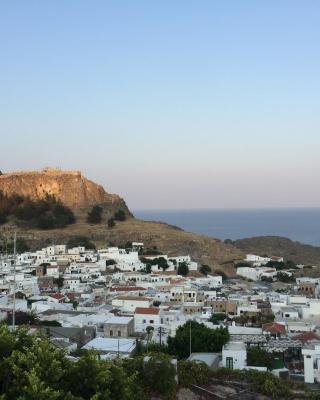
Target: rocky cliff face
{"type": "Point", "coordinates": [71, 188]}
{"type": "Point", "coordinates": [77, 192]}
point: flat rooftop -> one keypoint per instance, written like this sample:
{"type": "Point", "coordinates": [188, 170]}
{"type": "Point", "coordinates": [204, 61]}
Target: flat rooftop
{"type": "Point", "coordinates": [235, 346]}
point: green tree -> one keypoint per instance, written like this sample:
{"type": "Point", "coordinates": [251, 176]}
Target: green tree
{"type": "Point", "coordinates": [120, 215]}
{"type": "Point", "coordinates": [204, 269]}
{"type": "Point", "coordinates": [217, 317]}
{"type": "Point", "coordinates": [3, 217]}
{"type": "Point", "coordinates": [59, 282]}
{"type": "Point", "coordinates": [110, 262]}
{"type": "Point", "coordinates": [80, 241]}
{"type": "Point", "coordinates": [162, 263]}
{"type": "Point", "coordinates": [243, 264]}
{"type": "Point", "coordinates": [95, 215]}
{"type": "Point", "coordinates": [32, 368]}
{"type": "Point", "coordinates": [283, 277]}
{"type": "Point", "coordinates": [203, 339]}
{"type": "Point", "coordinates": [159, 375]}
{"type": "Point", "coordinates": [259, 357]}
{"type": "Point", "coordinates": [278, 265]}
{"type": "Point", "coordinates": [149, 330]}
{"type": "Point", "coordinates": [21, 246]}
{"type": "Point", "coordinates": [111, 223]}
{"type": "Point", "coordinates": [266, 279]}
{"type": "Point", "coordinates": [183, 269]}
{"type": "Point", "coordinates": [193, 373]}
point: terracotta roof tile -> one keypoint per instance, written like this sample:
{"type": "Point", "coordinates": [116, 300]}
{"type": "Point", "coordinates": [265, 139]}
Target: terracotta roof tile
{"type": "Point", "coordinates": [274, 328]}
{"type": "Point", "coordinates": [145, 310]}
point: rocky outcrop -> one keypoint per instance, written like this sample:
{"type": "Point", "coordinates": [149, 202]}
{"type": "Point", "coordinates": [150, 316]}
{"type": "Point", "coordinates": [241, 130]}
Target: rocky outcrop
{"type": "Point", "coordinates": [70, 187]}
{"type": "Point", "coordinates": [77, 192]}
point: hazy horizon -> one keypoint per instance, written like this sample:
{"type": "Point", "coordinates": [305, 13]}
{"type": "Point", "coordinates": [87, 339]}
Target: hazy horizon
{"type": "Point", "coordinates": [171, 105]}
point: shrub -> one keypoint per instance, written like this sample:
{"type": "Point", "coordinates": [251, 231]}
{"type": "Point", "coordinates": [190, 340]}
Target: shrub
{"type": "Point", "coordinates": [3, 217]}
{"type": "Point", "coordinates": [216, 317]}
{"type": "Point", "coordinates": [111, 223]}
{"type": "Point", "coordinates": [95, 215]}
{"type": "Point", "coordinates": [159, 261]}
{"type": "Point", "coordinates": [110, 262]}
{"type": "Point", "coordinates": [203, 339]}
{"type": "Point", "coordinates": [205, 269]}
{"type": "Point", "coordinates": [21, 246]}
{"type": "Point", "coordinates": [193, 373]}
{"type": "Point", "coordinates": [183, 269]}
{"type": "Point", "coordinates": [120, 215]}
{"type": "Point", "coordinates": [243, 264]}
{"type": "Point", "coordinates": [80, 241]}
{"type": "Point", "coordinates": [159, 376]}
{"type": "Point", "coordinates": [47, 213]}
{"type": "Point", "coordinates": [259, 357]}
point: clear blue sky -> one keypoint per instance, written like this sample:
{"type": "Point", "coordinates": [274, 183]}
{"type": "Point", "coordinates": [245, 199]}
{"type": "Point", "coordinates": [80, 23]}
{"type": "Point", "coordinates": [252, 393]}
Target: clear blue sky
{"type": "Point", "coordinates": [171, 104]}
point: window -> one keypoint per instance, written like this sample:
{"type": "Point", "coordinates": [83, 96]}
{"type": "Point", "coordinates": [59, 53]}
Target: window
{"type": "Point", "coordinates": [229, 362]}
{"type": "Point", "coordinates": [119, 333]}
{"type": "Point", "coordinates": [151, 321]}
{"type": "Point", "coordinates": [308, 356]}
{"type": "Point", "coordinates": [111, 333]}
{"type": "Point", "coordinates": [144, 321]}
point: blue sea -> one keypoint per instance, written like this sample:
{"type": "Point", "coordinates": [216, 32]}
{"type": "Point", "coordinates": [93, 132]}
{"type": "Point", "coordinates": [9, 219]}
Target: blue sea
{"type": "Point", "coordinates": [301, 224]}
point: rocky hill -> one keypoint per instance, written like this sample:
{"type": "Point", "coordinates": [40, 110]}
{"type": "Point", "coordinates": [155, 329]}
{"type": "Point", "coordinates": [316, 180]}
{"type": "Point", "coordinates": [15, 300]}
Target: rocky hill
{"type": "Point", "coordinates": [280, 246]}
{"type": "Point", "coordinates": [70, 187]}
{"type": "Point", "coordinates": [80, 194]}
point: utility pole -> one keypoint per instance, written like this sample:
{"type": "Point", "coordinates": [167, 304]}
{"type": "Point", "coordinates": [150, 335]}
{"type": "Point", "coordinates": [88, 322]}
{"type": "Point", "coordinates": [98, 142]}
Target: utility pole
{"type": "Point", "coordinates": [14, 281]}
{"type": "Point", "coordinates": [190, 336]}
{"type": "Point", "coordinates": [160, 334]}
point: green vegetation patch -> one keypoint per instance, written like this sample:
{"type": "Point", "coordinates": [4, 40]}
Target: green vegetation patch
{"type": "Point", "coordinates": [47, 213]}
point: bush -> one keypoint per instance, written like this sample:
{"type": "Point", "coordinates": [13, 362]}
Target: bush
{"type": "Point", "coordinates": [95, 215]}
{"type": "Point", "coordinates": [21, 246]}
{"type": "Point", "coordinates": [120, 215]}
{"type": "Point", "coordinates": [205, 269]}
{"type": "Point", "coordinates": [183, 269]}
{"type": "Point", "coordinates": [32, 368]}
{"type": "Point", "coordinates": [159, 376]}
{"type": "Point", "coordinates": [3, 217]}
{"type": "Point", "coordinates": [152, 348]}
{"type": "Point", "coordinates": [260, 382]}
{"type": "Point", "coordinates": [203, 339]}
{"type": "Point", "coordinates": [110, 262]}
{"type": "Point", "coordinates": [47, 213]}
{"type": "Point", "coordinates": [259, 357]}
{"type": "Point", "coordinates": [111, 223]}
{"type": "Point", "coordinates": [283, 277]}
{"type": "Point", "coordinates": [80, 241]}
{"type": "Point", "coordinates": [266, 279]}
{"type": "Point", "coordinates": [159, 261]}
{"type": "Point", "coordinates": [243, 264]}
{"type": "Point", "coordinates": [193, 373]}
{"type": "Point", "coordinates": [216, 317]}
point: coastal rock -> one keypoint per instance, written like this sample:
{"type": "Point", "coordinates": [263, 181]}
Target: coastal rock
{"type": "Point", "coordinates": [70, 187]}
